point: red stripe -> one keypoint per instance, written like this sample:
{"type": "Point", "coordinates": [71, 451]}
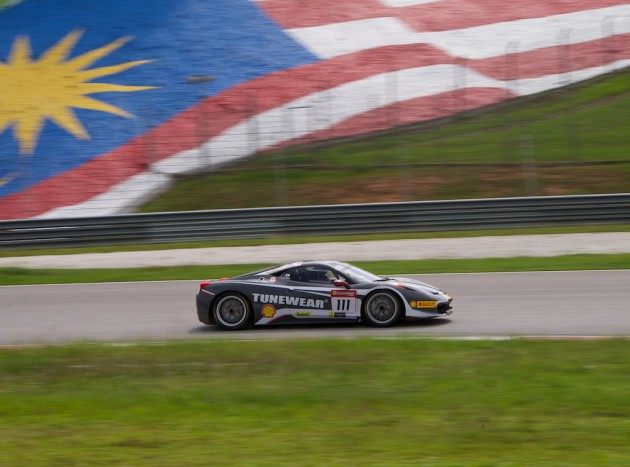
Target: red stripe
{"type": "Point", "coordinates": [555, 60]}
{"type": "Point", "coordinates": [459, 14]}
{"type": "Point", "coordinates": [300, 14]}
{"type": "Point", "coordinates": [214, 115]}
{"type": "Point", "coordinates": [438, 16]}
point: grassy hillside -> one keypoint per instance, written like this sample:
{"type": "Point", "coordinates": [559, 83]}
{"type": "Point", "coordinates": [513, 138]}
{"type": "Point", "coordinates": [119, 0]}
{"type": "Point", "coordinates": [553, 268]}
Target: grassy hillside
{"type": "Point", "coordinates": [568, 141]}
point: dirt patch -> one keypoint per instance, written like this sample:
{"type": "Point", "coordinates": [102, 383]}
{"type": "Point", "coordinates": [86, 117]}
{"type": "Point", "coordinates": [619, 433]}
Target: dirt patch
{"type": "Point", "coordinates": [473, 182]}
{"type": "Point", "coordinates": [385, 189]}
{"type": "Point", "coordinates": [585, 180]}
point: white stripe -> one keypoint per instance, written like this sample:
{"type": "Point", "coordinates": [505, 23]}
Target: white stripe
{"type": "Point", "coordinates": [131, 193]}
{"type": "Point", "coordinates": [333, 40]}
{"type": "Point", "coordinates": [478, 42]}
{"type": "Point", "coordinates": [529, 86]}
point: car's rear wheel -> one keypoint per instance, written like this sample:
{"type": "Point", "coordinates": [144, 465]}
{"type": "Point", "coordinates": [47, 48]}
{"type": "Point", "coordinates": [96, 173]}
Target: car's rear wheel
{"type": "Point", "coordinates": [381, 309]}
{"type": "Point", "coordinates": [232, 311]}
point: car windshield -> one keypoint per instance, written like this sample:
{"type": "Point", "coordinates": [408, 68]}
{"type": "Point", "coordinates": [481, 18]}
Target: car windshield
{"type": "Point", "coordinates": [355, 273]}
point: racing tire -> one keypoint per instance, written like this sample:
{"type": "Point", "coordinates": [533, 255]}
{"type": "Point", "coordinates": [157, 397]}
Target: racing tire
{"type": "Point", "coordinates": [231, 311]}
{"type": "Point", "coordinates": [381, 309]}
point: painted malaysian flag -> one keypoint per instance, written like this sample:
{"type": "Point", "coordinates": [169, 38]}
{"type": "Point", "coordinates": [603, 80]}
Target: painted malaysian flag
{"type": "Point", "coordinates": [104, 103]}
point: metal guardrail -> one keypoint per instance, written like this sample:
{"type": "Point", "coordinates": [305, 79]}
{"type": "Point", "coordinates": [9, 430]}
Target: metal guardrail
{"type": "Point", "coordinates": [315, 220]}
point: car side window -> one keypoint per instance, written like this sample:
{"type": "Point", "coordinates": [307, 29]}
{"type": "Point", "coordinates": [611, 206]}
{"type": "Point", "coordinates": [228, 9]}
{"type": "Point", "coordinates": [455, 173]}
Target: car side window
{"type": "Point", "coordinates": [300, 274]}
{"type": "Point", "coordinates": [288, 274]}
{"type": "Point", "coordinates": [312, 274]}
{"type": "Point", "coordinates": [333, 276]}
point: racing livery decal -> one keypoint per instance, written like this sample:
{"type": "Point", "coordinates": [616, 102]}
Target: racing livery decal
{"type": "Point", "coordinates": [336, 315]}
{"type": "Point", "coordinates": [344, 302]}
{"type": "Point", "coordinates": [288, 300]}
{"type": "Point", "coordinates": [268, 311]}
{"type": "Point", "coordinates": [343, 293]}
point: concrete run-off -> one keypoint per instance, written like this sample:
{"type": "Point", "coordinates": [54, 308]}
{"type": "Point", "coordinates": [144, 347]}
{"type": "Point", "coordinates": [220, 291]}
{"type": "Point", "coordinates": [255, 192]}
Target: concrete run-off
{"type": "Point", "coordinates": [432, 248]}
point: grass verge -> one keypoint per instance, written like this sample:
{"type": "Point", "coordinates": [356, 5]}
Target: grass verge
{"type": "Point", "coordinates": [22, 276]}
{"type": "Point", "coordinates": [323, 402]}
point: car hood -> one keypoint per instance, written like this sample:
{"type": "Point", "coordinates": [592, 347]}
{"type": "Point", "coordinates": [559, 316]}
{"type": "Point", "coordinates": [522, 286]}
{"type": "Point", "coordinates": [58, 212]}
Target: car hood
{"type": "Point", "coordinates": [413, 284]}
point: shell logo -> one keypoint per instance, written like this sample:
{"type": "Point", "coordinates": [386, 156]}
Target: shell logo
{"type": "Point", "coordinates": [268, 311]}
{"type": "Point", "coordinates": [423, 304]}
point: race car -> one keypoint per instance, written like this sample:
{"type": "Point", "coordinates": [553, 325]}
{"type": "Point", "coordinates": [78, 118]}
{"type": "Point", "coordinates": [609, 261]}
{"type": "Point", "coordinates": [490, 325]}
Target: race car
{"type": "Point", "coordinates": [317, 292]}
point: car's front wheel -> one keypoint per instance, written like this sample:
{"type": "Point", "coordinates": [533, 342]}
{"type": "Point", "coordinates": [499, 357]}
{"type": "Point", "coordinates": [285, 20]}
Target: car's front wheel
{"type": "Point", "coordinates": [381, 309]}
{"type": "Point", "coordinates": [232, 311]}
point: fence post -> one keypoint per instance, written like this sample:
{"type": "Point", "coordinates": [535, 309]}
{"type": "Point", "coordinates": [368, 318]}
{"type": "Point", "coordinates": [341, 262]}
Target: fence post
{"type": "Point", "coordinates": [280, 182]}
{"type": "Point", "coordinates": [281, 189]}
{"type": "Point", "coordinates": [529, 164]}
{"type": "Point", "coordinates": [252, 127]}
{"type": "Point", "coordinates": [608, 31]}
{"type": "Point", "coordinates": [572, 127]}
{"type": "Point", "coordinates": [511, 88]}
{"type": "Point", "coordinates": [25, 170]}
{"type": "Point", "coordinates": [460, 84]}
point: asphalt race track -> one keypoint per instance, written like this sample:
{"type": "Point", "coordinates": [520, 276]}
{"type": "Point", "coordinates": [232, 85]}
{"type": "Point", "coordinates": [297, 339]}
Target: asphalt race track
{"type": "Point", "coordinates": [576, 303]}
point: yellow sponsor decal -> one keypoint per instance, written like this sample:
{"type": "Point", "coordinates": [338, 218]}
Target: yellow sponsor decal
{"type": "Point", "coordinates": [303, 313]}
{"type": "Point", "coordinates": [268, 311]}
{"type": "Point", "coordinates": [336, 314]}
{"type": "Point", "coordinates": [423, 304]}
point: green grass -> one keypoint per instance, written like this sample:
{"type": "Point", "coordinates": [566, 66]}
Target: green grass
{"type": "Point", "coordinates": [323, 239]}
{"type": "Point", "coordinates": [7, 3]}
{"type": "Point", "coordinates": [584, 122]}
{"type": "Point", "coordinates": [23, 276]}
{"type": "Point", "coordinates": [319, 402]}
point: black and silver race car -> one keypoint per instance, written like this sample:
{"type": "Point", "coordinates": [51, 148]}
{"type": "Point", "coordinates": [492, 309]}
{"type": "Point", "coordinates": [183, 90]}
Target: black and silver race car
{"type": "Point", "coordinates": [317, 292]}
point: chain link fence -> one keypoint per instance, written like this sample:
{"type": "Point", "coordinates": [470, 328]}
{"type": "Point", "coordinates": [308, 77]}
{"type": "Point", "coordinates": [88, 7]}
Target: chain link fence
{"type": "Point", "coordinates": [567, 141]}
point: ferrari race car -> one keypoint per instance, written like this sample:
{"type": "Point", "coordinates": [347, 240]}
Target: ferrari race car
{"type": "Point", "coordinates": [317, 292]}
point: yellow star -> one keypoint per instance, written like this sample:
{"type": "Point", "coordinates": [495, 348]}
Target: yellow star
{"type": "Point", "coordinates": [48, 88]}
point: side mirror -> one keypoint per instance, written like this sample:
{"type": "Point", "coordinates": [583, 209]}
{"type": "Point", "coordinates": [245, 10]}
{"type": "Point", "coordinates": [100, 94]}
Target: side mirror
{"type": "Point", "coordinates": [343, 284]}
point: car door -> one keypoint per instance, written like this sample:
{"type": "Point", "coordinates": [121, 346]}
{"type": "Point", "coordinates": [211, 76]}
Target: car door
{"type": "Point", "coordinates": [317, 279]}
